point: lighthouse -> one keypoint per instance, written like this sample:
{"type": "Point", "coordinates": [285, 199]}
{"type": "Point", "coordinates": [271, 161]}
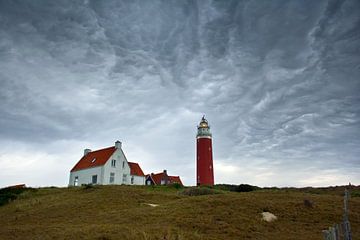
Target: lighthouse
{"type": "Point", "coordinates": [204, 157]}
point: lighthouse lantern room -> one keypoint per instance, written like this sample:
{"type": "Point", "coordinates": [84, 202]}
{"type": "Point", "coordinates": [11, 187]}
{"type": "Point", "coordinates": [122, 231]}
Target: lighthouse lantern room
{"type": "Point", "coordinates": [204, 156]}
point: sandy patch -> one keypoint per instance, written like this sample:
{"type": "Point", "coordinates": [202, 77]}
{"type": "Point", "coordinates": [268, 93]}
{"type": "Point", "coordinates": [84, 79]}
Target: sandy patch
{"type": "Point", "coordinates": [151, 204]}
{"type": "Point", "coordinates": [269, 217]}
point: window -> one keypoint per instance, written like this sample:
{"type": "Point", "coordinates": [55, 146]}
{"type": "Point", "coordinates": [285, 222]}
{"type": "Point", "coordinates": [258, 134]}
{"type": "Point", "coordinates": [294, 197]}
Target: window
{"type": "Point", "coordinates": [76, 181]}
{"type": "Point", "coordinates": [113, 163]}
{"type": "Point", "coordinates": [94, 179]}
{"type": "Point", "coordinates": [124, 178]}
{"type": "Point", "coordinates": [132, 179]}
{"type": "Point", "coordinates": [123, 164]}
{"type": "Point", "coordinates": [162, 182]}
{"type": "Point", "coordinates": [112, 177]}
{"type": "Point", "coordinates": [148, 182]}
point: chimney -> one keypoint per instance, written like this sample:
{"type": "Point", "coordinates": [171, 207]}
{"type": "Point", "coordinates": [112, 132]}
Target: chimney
{"type": "Point", "coordinates": [118, 144]}
{"type": "Point", "coordinates": [165, 172]}
{"type": "Point", "coordinates": [86, 151]}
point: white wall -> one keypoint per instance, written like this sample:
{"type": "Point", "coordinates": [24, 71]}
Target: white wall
{"type": "Point", "coordinates": [119, 171]}
{"type": "Point", "coordinates": [85, 176]}
{"type": "Point", "coordinates": [138, 180]}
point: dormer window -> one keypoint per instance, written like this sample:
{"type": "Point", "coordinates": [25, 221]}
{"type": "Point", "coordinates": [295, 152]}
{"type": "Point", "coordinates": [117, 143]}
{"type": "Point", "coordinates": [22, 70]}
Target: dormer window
{"type": "Point", "coordinates": [92, 161]}
{"type": "Point", "coordinates": [113, 163]}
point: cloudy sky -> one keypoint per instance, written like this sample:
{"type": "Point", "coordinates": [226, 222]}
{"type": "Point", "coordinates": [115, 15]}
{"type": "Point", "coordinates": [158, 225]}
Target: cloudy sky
{"type": "Point", "coordinates": [279, 82]}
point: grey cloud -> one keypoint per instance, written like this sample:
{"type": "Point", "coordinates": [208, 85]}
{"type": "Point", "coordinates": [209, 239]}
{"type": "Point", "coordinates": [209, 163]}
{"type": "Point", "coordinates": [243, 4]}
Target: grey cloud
{"type": "Point", "coordinates": [278, 81]}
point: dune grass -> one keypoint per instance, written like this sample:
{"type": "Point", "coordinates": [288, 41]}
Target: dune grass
{"type": "Point", "coordinates": [122, 212]}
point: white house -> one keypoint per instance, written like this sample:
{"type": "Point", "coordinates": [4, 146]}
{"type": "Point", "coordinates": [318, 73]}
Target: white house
{"type": "Point", "coordinates": [106, 166]}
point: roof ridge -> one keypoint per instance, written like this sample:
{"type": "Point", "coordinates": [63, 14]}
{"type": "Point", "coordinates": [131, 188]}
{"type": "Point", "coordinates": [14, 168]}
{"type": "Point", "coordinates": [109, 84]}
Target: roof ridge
{"type": "Point", "coordinates": [102, 149]}
{"type": "Point", "coordinates": [101, 156]}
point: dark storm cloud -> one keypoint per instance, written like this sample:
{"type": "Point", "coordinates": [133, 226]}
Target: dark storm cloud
{"type": "Point", "coordinates": [277, 80]}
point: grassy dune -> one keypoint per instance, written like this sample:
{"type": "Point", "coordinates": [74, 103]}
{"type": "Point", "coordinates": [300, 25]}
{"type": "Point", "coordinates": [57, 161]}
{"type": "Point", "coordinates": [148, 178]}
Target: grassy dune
{"type": "Point", "coordinates": [121, 212]}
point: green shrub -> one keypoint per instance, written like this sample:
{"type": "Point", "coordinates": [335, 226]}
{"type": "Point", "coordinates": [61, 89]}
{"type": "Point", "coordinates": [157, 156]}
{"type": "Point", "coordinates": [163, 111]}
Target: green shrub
{"type": "Point", "coordinates": [176, 185]}
{"type": "Point", "coordinates": [197, 191]}
{"type": "Point", "coordinates": [88, 186]}
{"type": "Point", "coordinates": [236, 188]}
{"type": "Point", "coordinates": [246, 188]}
{"type": "Point", "coordinates": [9, 194]}
{"type": "Point", "coordinates": [355, 193]}
{"type": "Point", "coordinates": [226, 187]}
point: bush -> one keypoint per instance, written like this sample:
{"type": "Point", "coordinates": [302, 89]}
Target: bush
{"type": "Point", "coordinates": [355, 193]}
{"type": "Point", "coordinates": [9, 194]}
{"type": "Point", "coordinates": [226, 187]}
{"type": "Point", "coordinates": [197, 191]}
{"type": "Point", "coordinates": [176, 185]}
{"type": "Point", "coordinates": [88, 186]}
{"type": "Point", "coordinates": [246, 188]}
{"type": "Point", "coordinates": [236, 188]}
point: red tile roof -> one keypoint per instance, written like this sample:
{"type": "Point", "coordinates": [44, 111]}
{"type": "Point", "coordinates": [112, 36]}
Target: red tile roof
{"type": "Point", "coordinates": [163, 176]}
{"type": "Point", "coordinates": [94, 159]}
{"type": "Point", "coordinates": [175, 179]}
{"type": "Point", "coordinates": [135, 169]}
{"type": "Point", "coordinates": [158, 177]}
{"type": "Point", "coordinates": [17, 186]}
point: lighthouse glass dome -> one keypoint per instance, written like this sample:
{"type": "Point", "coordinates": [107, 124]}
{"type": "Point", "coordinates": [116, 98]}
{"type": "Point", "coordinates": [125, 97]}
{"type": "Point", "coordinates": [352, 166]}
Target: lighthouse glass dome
{"type": "Point", "coordinates": [204, 128]}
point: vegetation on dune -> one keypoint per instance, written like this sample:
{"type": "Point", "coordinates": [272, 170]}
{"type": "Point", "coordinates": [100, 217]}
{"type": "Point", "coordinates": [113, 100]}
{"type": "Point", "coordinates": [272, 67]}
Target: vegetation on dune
{"type": "Point", "coordinates": [197, 191]}
{"type": "Point", "coordinates": [162, 212]}
{"type": "Point", "coordinates": [237, 188]}
{"type": "Point", "coordinates": [9, 194]}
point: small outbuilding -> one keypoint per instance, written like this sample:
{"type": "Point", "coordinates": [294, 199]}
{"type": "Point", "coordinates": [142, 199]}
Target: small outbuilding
{"type": "Point", "coordinates": [162, 179]}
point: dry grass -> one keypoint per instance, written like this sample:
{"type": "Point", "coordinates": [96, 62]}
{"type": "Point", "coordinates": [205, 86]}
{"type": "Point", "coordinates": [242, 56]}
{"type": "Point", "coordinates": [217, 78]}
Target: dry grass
{"type": "Point", "coordinates": [120, 212]}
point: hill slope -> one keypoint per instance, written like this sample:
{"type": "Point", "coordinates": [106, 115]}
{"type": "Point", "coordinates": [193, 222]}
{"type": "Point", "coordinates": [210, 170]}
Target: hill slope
{"type": "Point", "coordinates": [122, 212]}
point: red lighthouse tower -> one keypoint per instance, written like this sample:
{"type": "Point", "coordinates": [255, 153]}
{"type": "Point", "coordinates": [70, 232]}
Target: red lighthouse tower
{"type": "Point", "coordinates": [204, 158]}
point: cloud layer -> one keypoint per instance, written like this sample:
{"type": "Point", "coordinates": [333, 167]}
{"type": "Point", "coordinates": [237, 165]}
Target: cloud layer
{"type": "Point", "coordinates": [278, 82]}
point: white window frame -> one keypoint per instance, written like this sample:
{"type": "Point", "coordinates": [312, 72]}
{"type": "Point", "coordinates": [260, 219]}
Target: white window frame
{"type": "Point", "coordinates": [112, 178]}
{"type": "Point", "coordinates": [113, 163]}
{"type": "Point", "coordinates": [94, 177]}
